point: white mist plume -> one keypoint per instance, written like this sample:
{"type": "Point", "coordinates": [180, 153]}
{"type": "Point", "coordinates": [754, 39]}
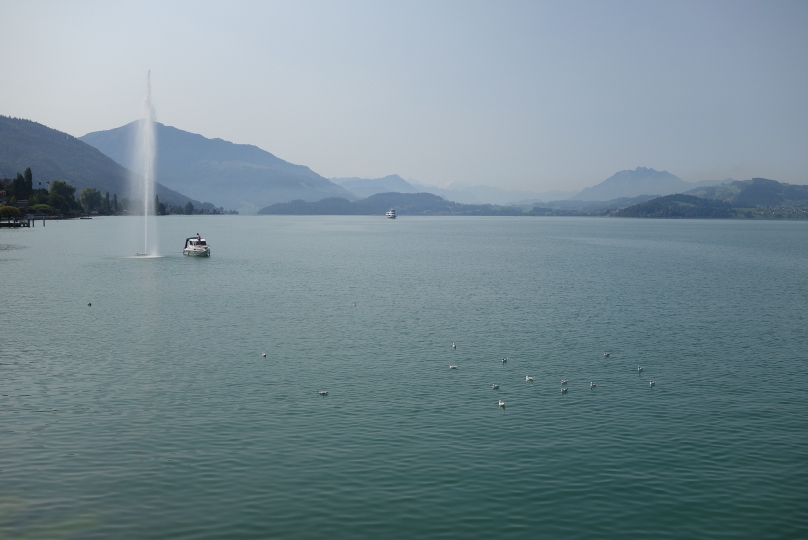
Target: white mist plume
{"type": "Point", "coordinates": [146, 153]}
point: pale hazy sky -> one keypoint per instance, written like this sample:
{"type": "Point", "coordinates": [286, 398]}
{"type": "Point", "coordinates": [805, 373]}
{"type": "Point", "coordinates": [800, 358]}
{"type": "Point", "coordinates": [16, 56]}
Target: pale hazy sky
{"type": "Point", "coordinates": [521, 95]}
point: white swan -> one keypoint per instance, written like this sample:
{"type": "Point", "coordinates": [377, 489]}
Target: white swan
{"type": "Point", "coordinates": [495, 386]}
{"type": "Point", "coordinates": [452, 367]}
{"type": "Point", "coordinates": [501, 403]}
{"type": "Point", "coordinates": [528, 378]}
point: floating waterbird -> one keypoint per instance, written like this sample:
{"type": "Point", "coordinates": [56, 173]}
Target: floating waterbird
{"type": "Point", "coordinates": [354, 304]}
{"type": "Point", "coordinates": [564, 389]}
{"type": "Point", "coordinates": [607, 354]}
{"type": "Point", "coordinates": [639, 368]}
{"type": "Point", "coordinates": [564, 381]}
{"type": "Point", "coordinates": [264, 354]}
{"type": "Point", "coordinates": [495, 386]}
{"type": "Point", "coordinates": [504, 360]}
{"type": "Point", "coordinates": [501, 403]}
{"type": "Point", "coordinates": [322, 392]}
{"type": "Point", "coordinates": [652, 383]}
{"type": "Point", "coordinates": [528, 378]}
{"type": "Point", "coordinates": [453, 345]}
{"type": "Point", "coordinates": [592, 385]}
{"type": "Point", "coordinates": [452, 367]}
{"type": "Point", "coordinates": [89, 304]}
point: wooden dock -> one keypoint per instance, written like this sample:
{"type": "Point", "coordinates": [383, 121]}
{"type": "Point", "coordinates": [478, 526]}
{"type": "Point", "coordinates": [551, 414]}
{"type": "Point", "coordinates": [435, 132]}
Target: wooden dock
{"type": "Point", "coordinates": [16, 223]}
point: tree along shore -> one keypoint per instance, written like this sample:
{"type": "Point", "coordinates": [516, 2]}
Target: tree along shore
{"type": "Point", "coordinates": [18, 196]}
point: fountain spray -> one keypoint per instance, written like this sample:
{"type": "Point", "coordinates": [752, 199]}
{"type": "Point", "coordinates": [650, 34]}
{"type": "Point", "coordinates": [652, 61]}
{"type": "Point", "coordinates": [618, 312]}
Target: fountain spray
{"type": "Point", "coordinates": [147, 150]}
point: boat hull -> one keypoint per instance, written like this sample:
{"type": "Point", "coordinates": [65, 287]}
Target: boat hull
{"type": "Point", "coordinates": [196, 252]}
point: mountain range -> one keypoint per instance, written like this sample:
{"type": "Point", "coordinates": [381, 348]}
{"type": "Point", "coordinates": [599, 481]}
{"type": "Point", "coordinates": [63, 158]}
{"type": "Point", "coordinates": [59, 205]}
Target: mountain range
{"type": "Point", "coordinates": [755, 198]}
{"type": "Point", "coordinates": [640, 181]}
{"type": "Point", "coordinates": [238, 176]}
{"type": "Point", "coordinates": [626, 184]}
{"type": "Point", "coordinates": [413, 204]}
{"type": "Point", "coordinates": [54, 155]}
{"type": "Point", "coordinates": [365, 187]}
{"type": "Point", "coordinates": [245, 177]}
{"type": "Point", "coordinates": [748, 199]}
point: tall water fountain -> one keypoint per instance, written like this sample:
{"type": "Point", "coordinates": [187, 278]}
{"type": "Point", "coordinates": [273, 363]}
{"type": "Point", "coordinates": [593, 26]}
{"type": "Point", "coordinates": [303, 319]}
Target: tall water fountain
{"type": "Point", "coordinates": [145, 152]}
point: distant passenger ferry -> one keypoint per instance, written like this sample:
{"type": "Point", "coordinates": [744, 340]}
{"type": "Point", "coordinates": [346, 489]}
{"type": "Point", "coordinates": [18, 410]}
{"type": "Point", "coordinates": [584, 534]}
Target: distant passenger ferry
{"type": "Point", "coordinates": [391, 214]}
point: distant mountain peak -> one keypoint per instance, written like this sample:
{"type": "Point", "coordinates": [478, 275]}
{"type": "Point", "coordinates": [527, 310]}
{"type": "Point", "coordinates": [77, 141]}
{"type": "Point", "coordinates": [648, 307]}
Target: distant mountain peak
{"type": "Point", "coordinates": [240, 176]}
{"type": "Point", "coordinates": [55, 155]}
{"type": "Point", "coordinates": [640, 181]}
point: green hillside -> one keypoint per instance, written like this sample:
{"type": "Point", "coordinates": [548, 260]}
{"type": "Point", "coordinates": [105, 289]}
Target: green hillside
{"type": "Point", "coordinates": [747, 199]}
{"type": "Point", "coordinates": [678, 206]}
{"type": "Point", "coordinates": [54, 155]}
{"type": "Point", "coordinates": [757, 192]}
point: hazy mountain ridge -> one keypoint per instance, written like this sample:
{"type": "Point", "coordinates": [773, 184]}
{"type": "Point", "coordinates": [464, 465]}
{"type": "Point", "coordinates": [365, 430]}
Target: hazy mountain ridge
{"type": "Point", "coordinates": [597, 206]}
{"type": "Point", "coordinates": [755, 198]}
{"type": "Point", "coordinates": [478, 194]}
{"type": "Point", "coordinates": [240, 176]}
{"type": "Point", "coordinates": [365, 187]}
{"type": "Point", "coordinates": [428, 204]}
{"type": "Point", "coordinates": [678, 206]}
{"type": "Point", "coordinates": [756, 192]}
{"type": "Point", "coordinates": [640, 181]}
{"type": "Point", "coordinates": [424, 204]}
{"type": "Point", "coordinates": [482, 194]}
{"type": "Point", "coordinates": [54, 155]}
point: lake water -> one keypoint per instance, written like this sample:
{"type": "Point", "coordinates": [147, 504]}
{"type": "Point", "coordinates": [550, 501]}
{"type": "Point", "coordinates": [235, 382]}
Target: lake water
{"type": "Point", "coordinates": [152, 414]}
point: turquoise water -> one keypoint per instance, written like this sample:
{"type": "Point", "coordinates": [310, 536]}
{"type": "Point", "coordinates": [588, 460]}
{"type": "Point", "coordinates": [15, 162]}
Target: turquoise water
{"type": "Point", "coordinates": [152, 414]}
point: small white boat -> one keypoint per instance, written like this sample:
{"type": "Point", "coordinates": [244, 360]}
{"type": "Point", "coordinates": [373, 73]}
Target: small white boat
{"type": "Point", "coordinates": [391, 214]}
{"type": "Point", "coordinates": [196, 246]}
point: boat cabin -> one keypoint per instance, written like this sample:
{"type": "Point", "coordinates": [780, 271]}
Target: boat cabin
{"type": "Point", "coordinates": [195, 241]}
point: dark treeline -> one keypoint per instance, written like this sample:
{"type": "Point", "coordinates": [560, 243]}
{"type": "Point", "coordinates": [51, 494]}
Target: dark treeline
{"type": "Point", "coordinates": [18, 196]}
{"type": "Point", "coordinates": [58, 199]}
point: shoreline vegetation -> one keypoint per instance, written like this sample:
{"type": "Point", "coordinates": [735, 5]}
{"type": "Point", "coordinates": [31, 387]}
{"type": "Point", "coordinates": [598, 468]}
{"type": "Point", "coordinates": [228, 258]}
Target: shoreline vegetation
{"type": "Point", "coordinates": [18, 197]}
